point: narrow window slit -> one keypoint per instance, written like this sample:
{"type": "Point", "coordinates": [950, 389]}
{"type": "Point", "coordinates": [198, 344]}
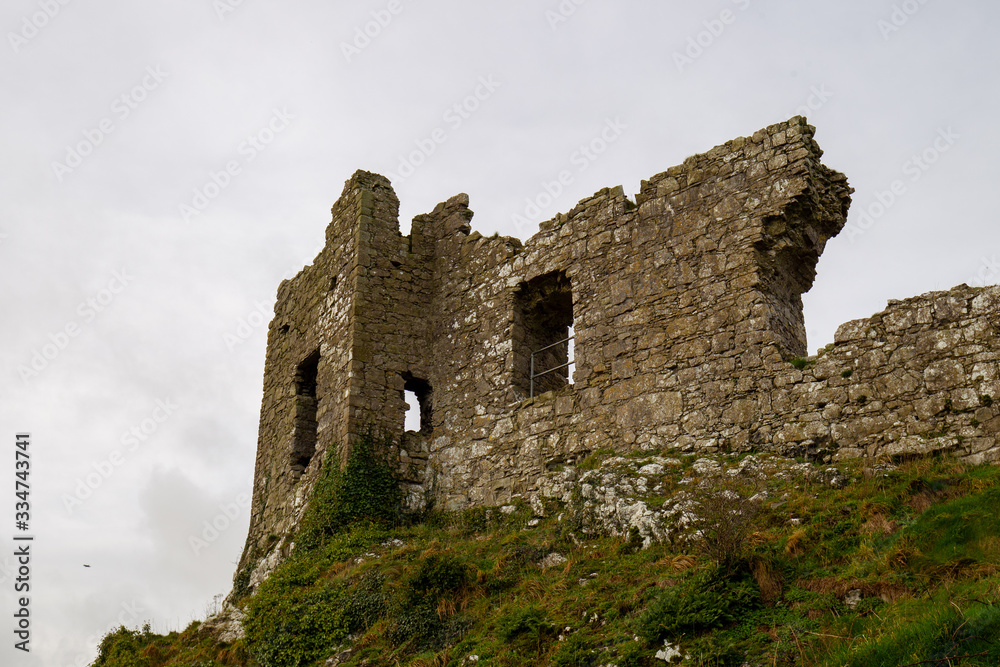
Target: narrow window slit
{"type": "Point", "coordinates": [306, 407]}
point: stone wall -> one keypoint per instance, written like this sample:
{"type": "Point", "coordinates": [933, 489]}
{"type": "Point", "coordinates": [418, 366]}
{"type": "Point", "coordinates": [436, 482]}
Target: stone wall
{"type": "Point", "coordinates": [688, 333]}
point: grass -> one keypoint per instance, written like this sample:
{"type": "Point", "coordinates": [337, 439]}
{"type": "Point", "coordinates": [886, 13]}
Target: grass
{"type": "Point", "coordinates": [918, 545]}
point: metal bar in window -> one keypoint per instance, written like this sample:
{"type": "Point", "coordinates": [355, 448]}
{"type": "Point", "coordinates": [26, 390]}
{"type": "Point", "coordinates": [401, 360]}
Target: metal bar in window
{"type": "Point", "coordinates": [532, 375]}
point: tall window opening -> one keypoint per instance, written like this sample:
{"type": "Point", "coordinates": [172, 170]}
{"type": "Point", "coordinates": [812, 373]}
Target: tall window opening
{"type": "Point", "coordinates": [417, 394]}
{"type": "Point", "coordinates": [306, 404]}
{"type": "Point", "coordinates": [543, 324]}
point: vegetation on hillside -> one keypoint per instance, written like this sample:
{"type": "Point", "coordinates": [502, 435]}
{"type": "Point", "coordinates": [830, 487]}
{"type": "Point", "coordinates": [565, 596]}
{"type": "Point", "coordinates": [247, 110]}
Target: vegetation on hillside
{"type": "Point", "coordinates": [899, 566]}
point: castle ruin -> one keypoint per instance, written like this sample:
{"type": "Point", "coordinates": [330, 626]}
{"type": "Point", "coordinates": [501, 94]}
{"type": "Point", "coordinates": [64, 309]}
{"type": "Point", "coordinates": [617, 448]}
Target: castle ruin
{"type": "Point", "coordinates": [673, 321]}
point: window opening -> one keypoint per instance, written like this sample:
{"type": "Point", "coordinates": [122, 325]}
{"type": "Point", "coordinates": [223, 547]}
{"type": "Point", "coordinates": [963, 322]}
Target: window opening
{"type": "Point", "coordinates": [543, 334]}
{"type": "Point", "coordinates": [417, 394]}
{"type": "Point", "coordinates": [306, 404]}
{"type": "Point", "coordinates": [412, 422]}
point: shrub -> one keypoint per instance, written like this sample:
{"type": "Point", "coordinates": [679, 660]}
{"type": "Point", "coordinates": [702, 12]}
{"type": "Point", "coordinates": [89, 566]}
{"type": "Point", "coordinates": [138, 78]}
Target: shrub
{"type": "Point", "coordinates": [296, 616]}
{"type": "Point", "coordinates": [439, 574]}
{"type": "Point", "coordinates": [526, 624]}
{"type": "Point", "coordinates": [421, 621]}
{"type": "Point", "coordinates": [124, 648]}
{"type": "Point", "coordinates": [367, 602]}
{"type": "Point", "coordinates": [727, 510]}
{"type": "Point", "coordinates": [704, 601]}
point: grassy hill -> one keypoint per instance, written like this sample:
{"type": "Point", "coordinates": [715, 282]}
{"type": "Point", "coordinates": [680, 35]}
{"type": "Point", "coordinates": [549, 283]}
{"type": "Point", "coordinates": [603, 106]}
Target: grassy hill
{"type": "Point", "coordinates": [773, 563]}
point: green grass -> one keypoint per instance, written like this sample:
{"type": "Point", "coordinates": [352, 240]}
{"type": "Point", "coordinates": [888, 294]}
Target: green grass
{"type": "Point", "coordinates": [921, 543]}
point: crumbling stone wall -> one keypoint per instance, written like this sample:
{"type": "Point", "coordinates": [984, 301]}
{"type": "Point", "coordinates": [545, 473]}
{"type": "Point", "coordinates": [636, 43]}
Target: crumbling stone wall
{"type": "Point", "coordinates": [685, 307]}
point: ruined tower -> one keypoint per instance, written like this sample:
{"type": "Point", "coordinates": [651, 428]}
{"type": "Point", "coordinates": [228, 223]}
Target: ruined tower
{"type": "Point", "coordinates": [695, 282]}
{"type": "Point", "coordinates": [671, 323]}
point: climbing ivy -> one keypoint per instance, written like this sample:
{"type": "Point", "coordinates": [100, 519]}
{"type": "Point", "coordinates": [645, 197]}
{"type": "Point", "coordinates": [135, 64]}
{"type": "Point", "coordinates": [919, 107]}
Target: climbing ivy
{"type": "Point", "coordinates": [367, 489]}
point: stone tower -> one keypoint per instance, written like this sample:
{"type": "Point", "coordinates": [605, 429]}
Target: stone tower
{"type": "Point", "coordinates": [669, 299]}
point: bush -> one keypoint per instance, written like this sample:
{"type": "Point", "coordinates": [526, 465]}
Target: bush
{"type": "Point", "coordinates": [296, 617]}
{"type": "Point", "coordinates": [367, 602]}
{"type": "Point", "coordinates": [438, 575]}
{"type": "Point", "coordinates": [124, 648]}
{"type": "Point", "coordinates": [727, 510]}
{"type": "Point", "coordinates": [705, 601]}
{"type": "Point", "coordinates": [422, 622]}
{"type": "Point", "coordinates": [528, 624]}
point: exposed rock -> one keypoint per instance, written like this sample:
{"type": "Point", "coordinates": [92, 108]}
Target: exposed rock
{"type": "Point", "coordinates": [227, 625]}
{"type": "Point", "coordinates": [552, 560]}
{"type": "Point", "coordinates": [853, 598]}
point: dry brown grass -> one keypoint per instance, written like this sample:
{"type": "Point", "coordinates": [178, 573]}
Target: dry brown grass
{"type": "Point", "coordinates": [768, 579]}
{"type": "Point", "coordinates": [795, 545]}
{"type": "Point", "coordinates": [902, 555]}
{"type": "Point", "coordinates": [337, 569]}
{"type": "Point", "coordinates": [921, 502]}
{"type": "Point", "coordinates": [446, 607]}
{"type": "Point", "coordinates": [433, 549]}
{"type": "Point", "coordinates": [972, 485]}
{"type": "Point", "coordinates": [678, 563]}
{"type": "Point", "coordinates": [374, 634]}
{"type": "Point", "coordinates": [501, 565]}
{"type": "Point", "coordinates": [879, 525]}
{"type": "Point", "coordinates": [952, 571]}
{"type": "Point", "coordinates": [534, 590]}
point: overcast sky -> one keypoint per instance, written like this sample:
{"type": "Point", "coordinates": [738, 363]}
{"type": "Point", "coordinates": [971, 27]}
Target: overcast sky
{"type": "Point", "coordinates": [165, 165]}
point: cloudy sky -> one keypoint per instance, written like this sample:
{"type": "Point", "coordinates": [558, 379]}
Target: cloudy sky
{"type": "Point", "coordinates": [165, 165]}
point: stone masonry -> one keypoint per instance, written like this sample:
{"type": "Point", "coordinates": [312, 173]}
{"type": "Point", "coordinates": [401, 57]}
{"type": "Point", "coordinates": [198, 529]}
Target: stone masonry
{"type": "Point", "coordinates": [686, 316]}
